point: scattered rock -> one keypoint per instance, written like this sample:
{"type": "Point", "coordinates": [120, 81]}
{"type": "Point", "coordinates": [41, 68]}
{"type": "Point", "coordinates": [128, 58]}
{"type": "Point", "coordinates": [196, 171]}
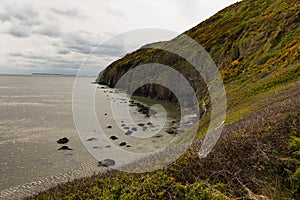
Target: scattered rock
{"type": "Point", "coordinates": [171, 132]}
{"type": "Point", "coordinates": [158, 136]}
{"type": "Point", "coordinates": [129, 132]}
{"type": "Point", "coordinates": [141, 124]}
{"type": "Point", "coordinates": [106, 163]}
{"type": "Point", "coordinates": [126, 127]}
{"type": "Point", "coordinates": [64, 148]}
{"type": "Point", "coordinates": [128, 145]}
{"type": "Point", "coordinates": [63, 140]}
{"type": "Point", "coordinates": [134, 129]}
{"type": "Point", "coordinates": [109, 126]}
{"type": "Point", "coordinates": [113, 137]}
{"type": "Point", "coordinates": [122, 125]}
{"type": "Point", "coordinates": [105, 114]}
{"type": "Point", "coordinates": [107, 146]}
{"type": "Point", "coordinates": [91, 139]}
{"type": "Point", "coordinates": [149, 123]}
{"type": "Point", "coordinates": [122, 144]}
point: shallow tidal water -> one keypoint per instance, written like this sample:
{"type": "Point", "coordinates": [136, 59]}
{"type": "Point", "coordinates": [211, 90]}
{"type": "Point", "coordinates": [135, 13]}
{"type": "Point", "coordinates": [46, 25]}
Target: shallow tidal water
{"type": "Point", "coordinates": [35, 111]}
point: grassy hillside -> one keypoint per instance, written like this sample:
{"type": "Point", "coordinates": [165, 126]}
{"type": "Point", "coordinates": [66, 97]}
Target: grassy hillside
{"type": "Point", "coordinates": [255, 44]}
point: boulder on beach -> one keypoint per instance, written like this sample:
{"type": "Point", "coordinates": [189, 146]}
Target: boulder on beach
{"type": "Point", "coordinates": [122, 144]}
{"type": "Point", "coordinates": [64, 148]}
{"type": "Point", "coordinates": [91, 139]}
{"type": "Point", "coordinates": [63, 140]}
{"type": "Point", "coordinates": [113, 137]}
{"type": "Point", "coordinates": [106, 163]}
{"type": "Point", "coordinates": [172, 132]}
{"type": "Point", "coordinates": [129, 132]}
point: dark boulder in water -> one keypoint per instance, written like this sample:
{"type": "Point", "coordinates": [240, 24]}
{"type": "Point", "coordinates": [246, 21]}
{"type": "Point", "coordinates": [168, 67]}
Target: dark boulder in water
{"type": "Point", "coordinates": [106, 163]}
{"type": "Point", "coordinates": [64, 148]}
{"type": "Point", "coordinates": [63, 140]}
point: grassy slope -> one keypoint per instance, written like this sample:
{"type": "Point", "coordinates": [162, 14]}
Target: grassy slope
{"type": "Point", "coordinates": [256, 46]}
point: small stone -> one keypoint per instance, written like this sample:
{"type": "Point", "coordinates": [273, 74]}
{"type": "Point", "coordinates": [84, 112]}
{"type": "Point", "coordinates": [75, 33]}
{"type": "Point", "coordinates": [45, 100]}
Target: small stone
{"type": "Point", "coordinates": [91, 139]}
{"type": "Point", "coordinates": [106, 163]}
{"type": "Point", "coordinates": [63, 140]}
{"type": "Point", "coordinates": [109, 126]}
{"type": "Point", "coordinates": [122, 144]}
{"type": "Point", "coordinates": [64, 148]}
{"type": "Point", "coordinates": [134, 129]}
{"type": "Point", "coordinates": [141, 124]}
{"type": "Point", "coordinates": [128, 145]}
{"type": "Point", "coordinates": [171, 132]}
{"type": "Point", "coordinates": [113, 137]}
{"type": "Point", "coordinates": [128, 132]}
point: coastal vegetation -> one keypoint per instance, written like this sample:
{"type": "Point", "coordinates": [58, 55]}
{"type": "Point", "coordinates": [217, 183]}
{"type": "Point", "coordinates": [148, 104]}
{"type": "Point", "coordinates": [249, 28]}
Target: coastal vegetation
{"type": "Point", "coordinates": [255, 44]}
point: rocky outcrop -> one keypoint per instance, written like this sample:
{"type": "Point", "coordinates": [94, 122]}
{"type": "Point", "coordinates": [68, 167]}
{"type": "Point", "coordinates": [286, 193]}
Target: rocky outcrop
{"type": "Point", "coordinates": [243, 42]}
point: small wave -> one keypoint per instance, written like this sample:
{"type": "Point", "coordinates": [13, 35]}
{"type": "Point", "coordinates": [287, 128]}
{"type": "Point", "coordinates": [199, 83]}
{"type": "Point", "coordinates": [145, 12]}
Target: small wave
{"type": "Point", "coordinates": [31, 188]}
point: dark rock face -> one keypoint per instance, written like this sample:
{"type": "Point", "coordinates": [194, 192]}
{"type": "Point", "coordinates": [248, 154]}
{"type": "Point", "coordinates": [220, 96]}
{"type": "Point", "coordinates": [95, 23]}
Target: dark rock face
{"type": "Point", "coordinates": [63, 140]}
{"type": "Point", "coordinates": [106, 163]}
{"type": "Point", "coordinates": [64, 148]}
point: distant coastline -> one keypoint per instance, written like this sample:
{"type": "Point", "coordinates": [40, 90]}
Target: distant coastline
{"type": "Point", "coordinates": [50, 74]}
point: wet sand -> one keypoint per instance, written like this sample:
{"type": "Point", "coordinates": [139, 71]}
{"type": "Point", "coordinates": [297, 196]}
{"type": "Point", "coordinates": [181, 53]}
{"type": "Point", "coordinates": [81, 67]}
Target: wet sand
{"type": "Point", "coordinates": [35, 113]}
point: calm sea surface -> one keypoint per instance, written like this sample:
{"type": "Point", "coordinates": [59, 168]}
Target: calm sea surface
{"type": "Point", "coordinates": [35, 111]}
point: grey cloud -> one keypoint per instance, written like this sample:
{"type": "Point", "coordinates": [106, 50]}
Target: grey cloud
{"type": "Point", "coordinates": [70, 12]}
{"type": "Point", "coordinates": [115, 12]}
{"type": "Point", "coordinates": [23, 15]}
{"type": "Point", "coordinates": [18, 32]}
{"type": "Point", "coordinates": [87, 44]}
{"type": "Point", "coordinates": [51, 31]}
{"type": "Point", "coordinates": [63, 52]}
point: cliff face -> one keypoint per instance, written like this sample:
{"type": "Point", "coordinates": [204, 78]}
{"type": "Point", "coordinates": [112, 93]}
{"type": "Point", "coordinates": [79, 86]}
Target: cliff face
{"type": "Point", "coordinates": [248, 41]}
{"type": "Point", "coordinates": [255, 44]}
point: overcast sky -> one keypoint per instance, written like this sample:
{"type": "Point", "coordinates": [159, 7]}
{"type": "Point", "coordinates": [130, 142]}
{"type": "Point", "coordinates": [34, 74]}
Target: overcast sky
{"type": "Point", "coordinates": [55, 36]}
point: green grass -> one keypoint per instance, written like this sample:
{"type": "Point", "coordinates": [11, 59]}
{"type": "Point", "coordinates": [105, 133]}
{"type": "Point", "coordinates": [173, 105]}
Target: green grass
{"type": "Point", "coordinates": [256, 47]}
